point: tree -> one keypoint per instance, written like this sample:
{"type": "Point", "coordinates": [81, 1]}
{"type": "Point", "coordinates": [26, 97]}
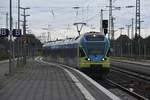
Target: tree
{"type": "Point", "coordinates": [4, 47]}
{"type": "Point", "coordinates": [30, 41]}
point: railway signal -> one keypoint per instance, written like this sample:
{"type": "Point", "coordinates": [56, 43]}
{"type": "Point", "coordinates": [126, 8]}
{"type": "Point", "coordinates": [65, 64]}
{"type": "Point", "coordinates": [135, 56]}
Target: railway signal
{"type": "Point", "coordinates": [16, 32]}
{"type": "Point", "coordinates": [4, 32]}
{"type": "Point", "coordinates": [105, 26]}
{"type": "Point", "coordinates": [105, 23]}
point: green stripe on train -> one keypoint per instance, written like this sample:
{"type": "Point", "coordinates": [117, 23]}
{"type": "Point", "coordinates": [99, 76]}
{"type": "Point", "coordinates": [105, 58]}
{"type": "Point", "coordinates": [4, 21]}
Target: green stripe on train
{"type": "Point", "coordinates": [86, 64]}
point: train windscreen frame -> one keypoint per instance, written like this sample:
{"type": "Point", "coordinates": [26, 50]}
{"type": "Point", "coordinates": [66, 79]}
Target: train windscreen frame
{"type": "Point", "coordinates": [96, 48]}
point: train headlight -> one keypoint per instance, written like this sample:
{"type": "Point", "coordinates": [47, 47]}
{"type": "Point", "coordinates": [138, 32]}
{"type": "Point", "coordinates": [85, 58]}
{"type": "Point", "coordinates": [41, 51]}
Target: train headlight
{"type": "Point", "coordinates": [103, 59]}
{"type": "Point", "coordinates": [88, 59]}
{"type": "Point", "coordinates": [94, 35]}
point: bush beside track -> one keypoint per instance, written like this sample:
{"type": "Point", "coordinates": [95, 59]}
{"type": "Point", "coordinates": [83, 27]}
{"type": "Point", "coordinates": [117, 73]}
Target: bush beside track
{"type": "Point", "coordinates": [3, 55]}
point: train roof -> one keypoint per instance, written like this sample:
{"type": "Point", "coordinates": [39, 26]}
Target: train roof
{"type": "Point", "coordinates": [69, 40]}
{"type": "Point", "coordinates": [62, 42]}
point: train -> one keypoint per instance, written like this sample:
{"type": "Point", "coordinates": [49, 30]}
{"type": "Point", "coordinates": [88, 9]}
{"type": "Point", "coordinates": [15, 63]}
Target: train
{"type": "Point", "coordinates": [88, 52]}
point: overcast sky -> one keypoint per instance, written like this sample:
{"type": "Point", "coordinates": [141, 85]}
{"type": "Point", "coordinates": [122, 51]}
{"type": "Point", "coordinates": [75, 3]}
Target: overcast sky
{"type": "Point", "coordinates": [60, 15]}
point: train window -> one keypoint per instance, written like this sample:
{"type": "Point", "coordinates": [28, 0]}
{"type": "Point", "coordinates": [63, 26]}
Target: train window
{"type": "Point", "coordinates": [94, 38]}
{"type": "Point", "coordinates": [82, 54]}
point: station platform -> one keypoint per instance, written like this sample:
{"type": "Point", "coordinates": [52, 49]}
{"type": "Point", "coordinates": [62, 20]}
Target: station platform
{"type": "Point", "coordinates": [47, 81]}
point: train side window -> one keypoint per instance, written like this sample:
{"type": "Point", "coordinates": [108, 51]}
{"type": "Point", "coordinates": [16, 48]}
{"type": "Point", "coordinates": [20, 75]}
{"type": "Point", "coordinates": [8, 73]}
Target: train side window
{"type": "Point", "coordinates": [82, 54]}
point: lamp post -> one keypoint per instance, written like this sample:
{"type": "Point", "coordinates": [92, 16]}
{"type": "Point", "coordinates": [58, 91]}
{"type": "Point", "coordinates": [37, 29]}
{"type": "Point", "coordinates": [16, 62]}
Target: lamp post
{"type": "Point", "coordinates": [10, 41]}
{"type": "Point", "coordinates": [19, 43]}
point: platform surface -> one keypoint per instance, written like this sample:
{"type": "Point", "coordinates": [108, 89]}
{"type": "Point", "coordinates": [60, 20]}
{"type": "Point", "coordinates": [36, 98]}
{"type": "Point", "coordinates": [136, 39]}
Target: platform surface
{"type": "Point", "coordinates": [40, 81]}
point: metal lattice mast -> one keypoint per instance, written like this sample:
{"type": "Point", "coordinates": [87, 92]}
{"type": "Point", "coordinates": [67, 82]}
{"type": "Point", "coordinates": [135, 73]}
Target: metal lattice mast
{"type": "Point", "coordinates": [112, 29]}
{"type": "Point", "coordinates": [137, 20]}
{"type": "Point", "coordinates": [138, 26]}
{"type": "Point", "coordinates": [110, 19]}
{"type": "Point", "coordinates": [24, 33]}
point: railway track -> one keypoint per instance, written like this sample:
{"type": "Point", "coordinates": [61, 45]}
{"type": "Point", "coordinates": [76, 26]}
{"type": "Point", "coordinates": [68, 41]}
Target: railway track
{"type": "Point", "coordinates": [121, 91]}
{"type": "Point", "coordinates": [132, 73]}
{"type": "Point", "coordinates": [128, 91]}
{"type": "Point", "coordinates": [139, 70]}
{"type": "Point", "coordinates": [135, 84]}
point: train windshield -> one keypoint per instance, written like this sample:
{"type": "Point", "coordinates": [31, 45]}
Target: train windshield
{"type": "Point", "coordinates": [94, 37]}
{"type": "Point", "coordinates": [96, 48]}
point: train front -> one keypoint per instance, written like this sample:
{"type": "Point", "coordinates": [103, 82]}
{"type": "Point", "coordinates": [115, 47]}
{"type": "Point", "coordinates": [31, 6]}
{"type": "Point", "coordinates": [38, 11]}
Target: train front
{"type": "Point", "coordinates": [94, 49]}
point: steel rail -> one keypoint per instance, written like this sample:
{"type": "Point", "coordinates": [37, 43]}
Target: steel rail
{"type": "Point", "coordinates": [137, 96]}
{"type": "Point", "coordinates": [132, 63]}
{"type": "Point", "coordinates": [131, 73]}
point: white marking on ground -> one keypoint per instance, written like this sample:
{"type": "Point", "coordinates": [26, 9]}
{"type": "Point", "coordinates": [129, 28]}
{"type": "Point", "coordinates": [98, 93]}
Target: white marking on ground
{"type": "Point", "coordinates": [101, 88]}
